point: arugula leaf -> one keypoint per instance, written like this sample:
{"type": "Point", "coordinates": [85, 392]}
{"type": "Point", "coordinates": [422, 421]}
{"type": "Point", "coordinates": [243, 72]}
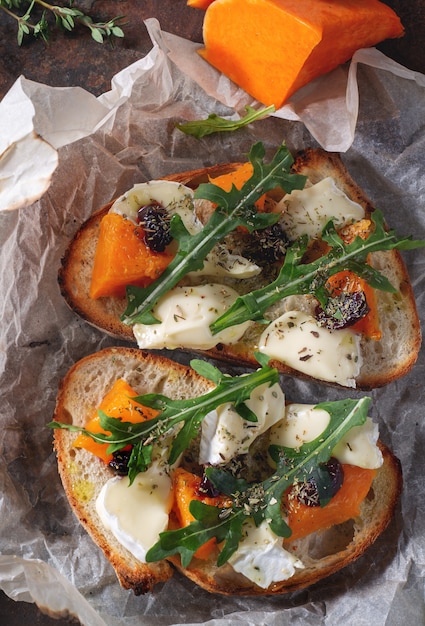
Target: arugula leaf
{"type": "Point", "coordinates": [259, 501]}
{"type": "Point", "coordinates": [180, 419]}
{"type": "Point", "coordinates": [297, 278]}
{"type": "Point", "coordinates": [234, 208]}
{"type": "Point", "coordinates": [216, 124]}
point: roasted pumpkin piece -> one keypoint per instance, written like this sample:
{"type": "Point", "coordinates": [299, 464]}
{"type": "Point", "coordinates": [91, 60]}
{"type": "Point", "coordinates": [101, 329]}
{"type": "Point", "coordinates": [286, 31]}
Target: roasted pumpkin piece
{"type": "Point", "coordinates": [349, 282]}
{"type": "Point", "coordinates": [237, 178]}
{"type": "Point", "coordinates": [119, 403]}
{"type": "Point", "coordinates": [122, 258]}
{"type": "Point", "coordinates": [186, 488]}
{"type": "Point", "coordinates": [345, 505]}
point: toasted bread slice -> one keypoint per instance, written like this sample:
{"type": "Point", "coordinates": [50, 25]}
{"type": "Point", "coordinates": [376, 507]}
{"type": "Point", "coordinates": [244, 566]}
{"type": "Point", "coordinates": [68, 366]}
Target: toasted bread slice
{"type": "Point", "coordinates": [383, 361]}
{"type": "Point", "coordinates": [83, 476]}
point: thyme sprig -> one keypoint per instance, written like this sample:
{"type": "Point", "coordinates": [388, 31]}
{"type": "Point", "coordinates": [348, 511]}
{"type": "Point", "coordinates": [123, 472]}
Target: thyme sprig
{"type": "Point", "coordinates": [262, 500]}
{"type": "Point", "coordinates": [66, 17]}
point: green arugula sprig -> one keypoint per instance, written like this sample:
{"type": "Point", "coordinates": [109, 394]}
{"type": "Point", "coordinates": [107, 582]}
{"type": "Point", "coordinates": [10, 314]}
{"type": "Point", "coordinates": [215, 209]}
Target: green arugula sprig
{"type": "Point", "coordinates": [66, 17]}
{"type": "Point", "coordinates": [234, 208]}
{"type": "Point", "coordinates": [216, 124]}
{"type": "Point", "coordinates": [297, 278]}
{"type": "Point", "coordinates": [181, 419]}
{"type": "Point", "coordinates": [258, 501]}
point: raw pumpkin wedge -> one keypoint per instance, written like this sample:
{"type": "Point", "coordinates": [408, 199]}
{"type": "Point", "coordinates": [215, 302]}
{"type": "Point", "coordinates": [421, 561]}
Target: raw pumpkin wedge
{"type": "Point", "coordinates": [119, 403]}
{"type": "Point", "coordinates": [199, 4]}
{"type": "Point", "coordinates": [122, 258]}
{"type": "Point", "coordinates": [304, 520]}
{"type": "Point", "coordinates": [271, 48]}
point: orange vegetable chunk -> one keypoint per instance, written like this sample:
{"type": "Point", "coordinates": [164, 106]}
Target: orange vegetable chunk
{"type": "Point", "coordinates": [122, 258]}
{"type": "Point", "coordinates": [237, 178]}
{"type": "Point", "coordinates": [199, 4]}
{"type": "Point", "coordinates": [349, 282]}
{"type": "Point", "coordinates": [345, 505]}
{"type": "Point", "coordinates": [117, 403]}
{"type": "Point", "coordinates": [186, 488]}
{"type": "Point", "coordinates": [271, 48]}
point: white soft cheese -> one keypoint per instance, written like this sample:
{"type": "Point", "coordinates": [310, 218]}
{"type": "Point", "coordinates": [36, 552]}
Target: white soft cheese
{"type": "Point", "coordinates": [261, 558]}
{"type": "Point", "coordinates": [296, 339]}
{"type": "Point", "coordinates": [358, 446]}
{"type": "Point", "coordinates": [304, 423]}
{"type": "Point", "coordinates": [301, 424]}
{"type": "Point", "coordinates": [137, 513]}
{"type": "Point", "coordinates": [225, 434]}
{"type": "Point", "coordinates": [185, 313]}
{"type": "Point", "coordinates": [307, 211]}
{"type": "Point", "coordinates": [174, 197]}
{"type": "Point", "coordinates": [178, 199]}
{"type": "Point", "coordinates": [220, 262]}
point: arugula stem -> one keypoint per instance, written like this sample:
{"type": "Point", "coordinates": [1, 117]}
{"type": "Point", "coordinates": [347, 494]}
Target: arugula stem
{"type": "Point", "coordinates": [234, 208]}
{"type": "Point", "coordinates": [297, 278]}
{"type": "Point", "coordinates": [225, 524]}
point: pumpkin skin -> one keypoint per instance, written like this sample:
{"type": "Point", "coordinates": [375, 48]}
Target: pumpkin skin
{"type": "Point", "coordinates": [272, 48]}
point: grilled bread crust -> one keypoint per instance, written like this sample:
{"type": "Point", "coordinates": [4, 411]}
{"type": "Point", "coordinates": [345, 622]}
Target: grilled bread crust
{"type": "Point", "coordinates": [383, 361]}
{"type": "Point", "coordinates": [83, 476]}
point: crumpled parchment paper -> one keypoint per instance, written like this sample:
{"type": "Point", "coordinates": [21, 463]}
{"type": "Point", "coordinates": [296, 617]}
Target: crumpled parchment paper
{"type": "Point", "coordinates": [129, 135]}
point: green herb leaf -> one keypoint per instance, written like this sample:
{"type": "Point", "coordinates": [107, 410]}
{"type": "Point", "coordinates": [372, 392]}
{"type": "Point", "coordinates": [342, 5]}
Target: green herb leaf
{"type": "Point", "coordinates": [296, 277]}
{"type": "Point", "coordinates": [234, 208]}
{"type": "Point", "coordinates": [180, 419]}
{"type": "Point", "coordinates": [258, 501]}
{"type": "Point", "coordinates": [65, 17]}
{"type": "Point", "coordinates": [216, 124]}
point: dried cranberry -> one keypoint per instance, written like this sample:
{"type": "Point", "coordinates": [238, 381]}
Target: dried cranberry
{"type": "Point", "coordinates": [119, 462]}
{"type": "Point", "coordinates": [307, 492]}
{"type": "Point", "coordinates": [206, 488]}
{"type": "Point", "coordinates": [155, 221]}
{"type": "Point", "coordinates": [343, 310]}
{"type": "Point", "coordinates": [267, 245]}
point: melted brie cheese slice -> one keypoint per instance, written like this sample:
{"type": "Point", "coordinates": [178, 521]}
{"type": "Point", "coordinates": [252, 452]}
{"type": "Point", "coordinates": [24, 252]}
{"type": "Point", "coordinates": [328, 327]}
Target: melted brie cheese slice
{"type": "Point", "coordinates": [304, 422]}
{"type": "Point", "coordinates": [186, 313]}
{"type": "Point", "coordinates": [261, 558]}
{"type": "Point", "coordinates": [137, 513]}
{"type": "Point", "coordinates": [296, 339]}
{"type": "Point", "coordinates": [174, 197]}
{"type": "Point", "coordinates": [307, 211]}
{"type": "Point", "coordinates": [225, 434]}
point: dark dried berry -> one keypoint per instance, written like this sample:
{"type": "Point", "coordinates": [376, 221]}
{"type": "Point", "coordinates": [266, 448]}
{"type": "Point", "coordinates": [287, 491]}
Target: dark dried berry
{"type": "Point", "coordinates": [206, 488]}
{"type": "Point", "coordinates": [155, 222]}
{"type": "Point", "coordinates": [267, 245]}
{"type": "Point", "coordinates": [307, 492]}
{"type": "Point", "coordinates": [119, 463]}
{"type": "Point", "coordinates": [343, 310]}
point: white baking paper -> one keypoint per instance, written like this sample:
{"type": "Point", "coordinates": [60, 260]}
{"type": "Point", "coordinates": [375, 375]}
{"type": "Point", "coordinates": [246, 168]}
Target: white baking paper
{"type": "Point", "coordinates": [129, 136]}
{"type": "Point", "coordinates": [36, 120]}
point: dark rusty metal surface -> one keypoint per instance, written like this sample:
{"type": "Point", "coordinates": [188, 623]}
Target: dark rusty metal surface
{"type": "Point", "coordinates": [72, 59]}
{"type": "Point", "coordinates": [75, 59]}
